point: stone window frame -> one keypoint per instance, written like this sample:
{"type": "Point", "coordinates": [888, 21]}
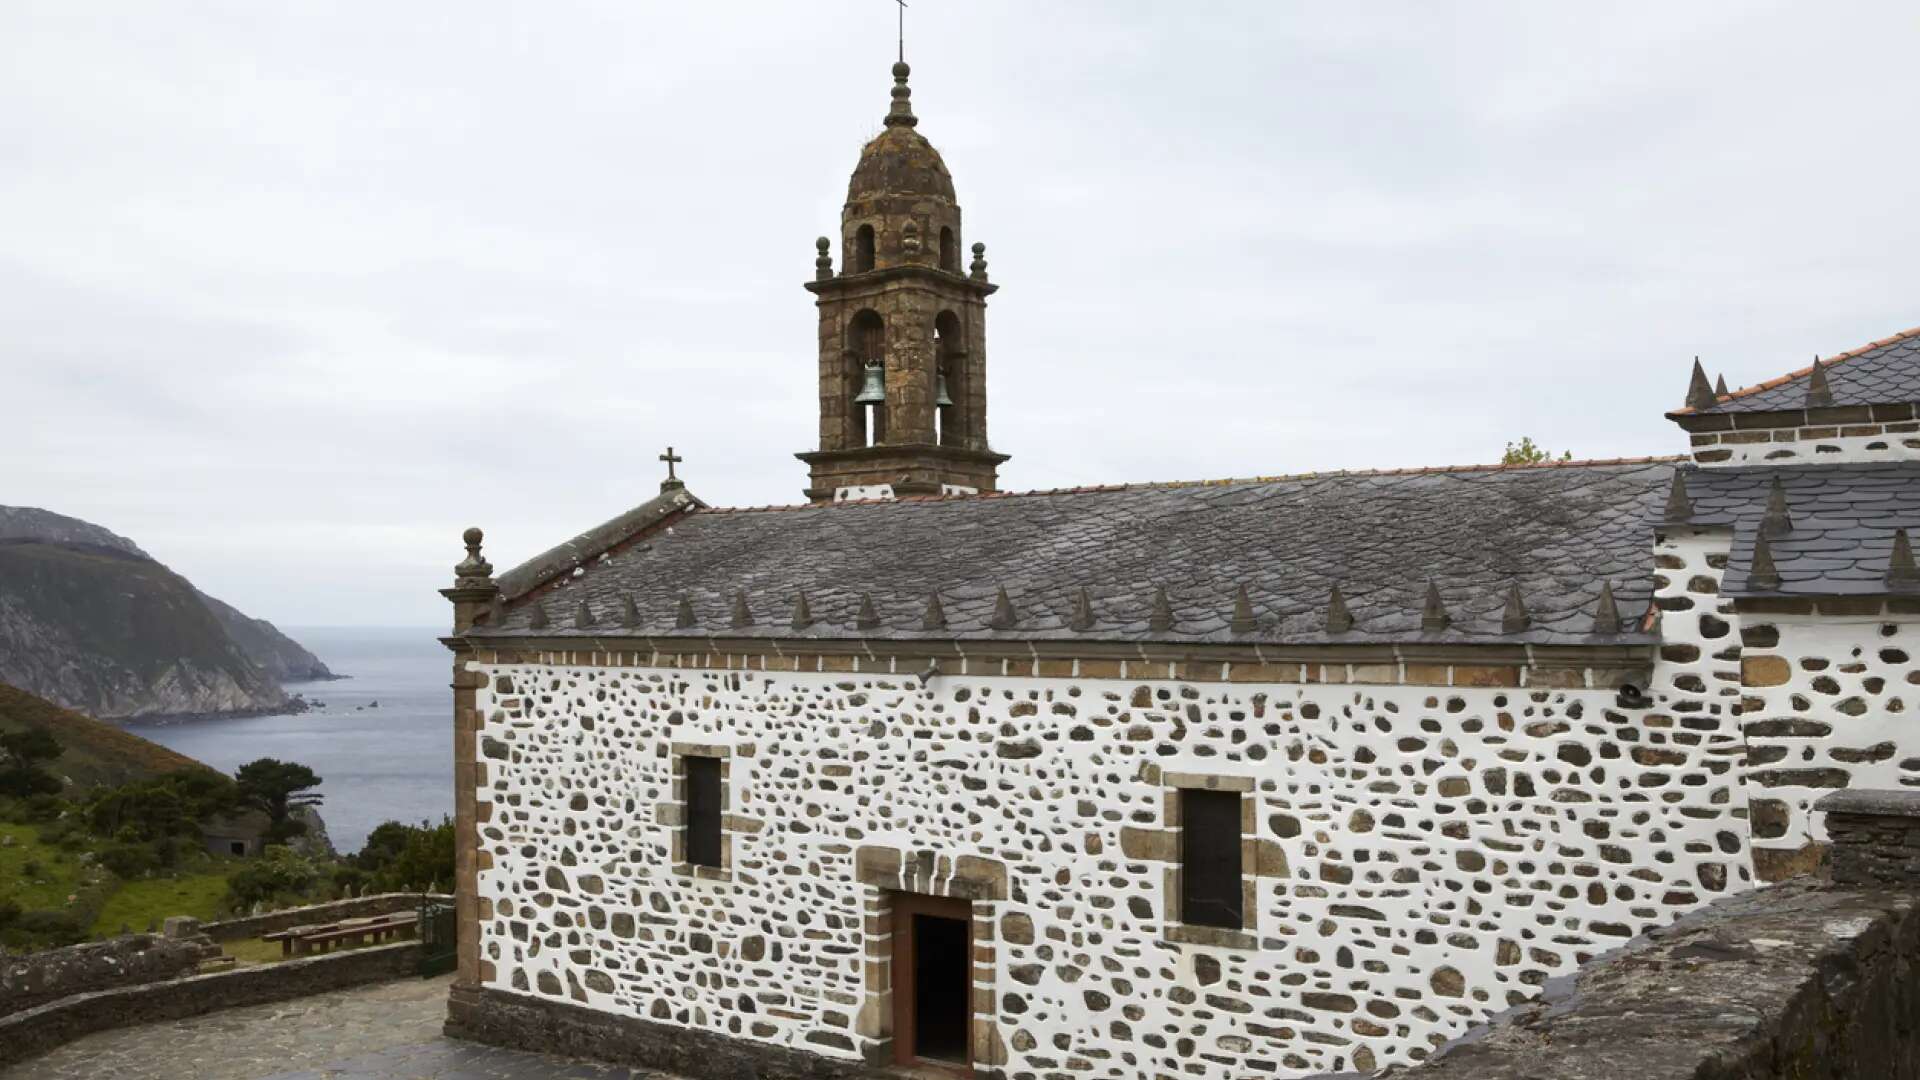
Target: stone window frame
{"type": "Point", "coordinates": [883, 873]}
{"type": "Point", "coordinates": [674, 812]}
{"type": "Point", "coordinates": [1163, 845]}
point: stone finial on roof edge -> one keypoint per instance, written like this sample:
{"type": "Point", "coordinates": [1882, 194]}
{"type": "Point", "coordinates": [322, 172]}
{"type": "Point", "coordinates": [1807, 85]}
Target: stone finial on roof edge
{"type": "Point", "coordinates": [1004, 617]}
{"type": "Point", "coordinates": [496, 610]}
{"type": "Point", "coordinates": [1902, 574]}
{"type": "Point", "coordinates": [629, 611]}
{"type": "Point", "coordinates": [935, 617]}
{"type": "Point", "coordinates": [742, 616]}
{"type": "Point", "coordinates": [1339, 618]}
{"type": "Point", "coordinates": [1082, 619]}
{"type": "Point", "coordinates": [1433, 614]}
{"type": "Point", "coordinates": [1720, 386]}
{"type": "Point", "coordinates": [474, 571]}
{"type": "Point", "coordinates": [1699, 390]}
{"type": "Point", "coordinates": [1819, 394]}
{"type": "Point", "coordinates": [1762, 574]}
{"type": "Point", "coordinates": [867, 618]}
{"type": "Point", "coordinates": [1606, 614]}
{"type": "Point", "coordinates": [802, 611]}
{"type": "Point", "coordinates": [1679, 506]}
{"type": "Point", "coordinates": [583, 615]}
{"type": "Point", "coordinates": [537, 619]}
{"type": "Point", "coordinates": [1778, 521]}
{"type": "Point", "coordinates": [1160, 619]}
{"type": "Point", "coordinates": [1243, 618]}
{"type": "Point", "coordinates": [683, 618]}
{"type": "Point", "coordinates": [1515, 619]}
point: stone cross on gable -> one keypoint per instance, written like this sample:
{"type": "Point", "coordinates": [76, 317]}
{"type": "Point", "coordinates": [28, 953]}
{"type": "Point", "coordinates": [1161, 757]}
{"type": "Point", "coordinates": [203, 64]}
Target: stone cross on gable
{"type": "Point", "coordinates": [672, 481]}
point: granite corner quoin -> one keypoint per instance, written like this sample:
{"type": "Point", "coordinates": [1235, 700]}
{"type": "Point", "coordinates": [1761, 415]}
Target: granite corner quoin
{"type": "Point", "coordinates": [1482, 724]}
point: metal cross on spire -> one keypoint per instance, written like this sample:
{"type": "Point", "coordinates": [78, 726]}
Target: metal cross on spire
{"type": "Point", "coordinates": [903, 29]}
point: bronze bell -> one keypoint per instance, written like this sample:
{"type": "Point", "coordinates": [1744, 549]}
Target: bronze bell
{"type": "Point", "coordinates": [940, 395]}
{"type": "Point", "coordinates": [874, 391]}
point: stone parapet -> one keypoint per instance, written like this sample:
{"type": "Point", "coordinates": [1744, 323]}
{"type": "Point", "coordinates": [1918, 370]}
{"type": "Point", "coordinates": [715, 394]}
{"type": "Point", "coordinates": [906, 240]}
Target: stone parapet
{"type": "Point", "coordinates": [38, 1030]}
{"type": "Point", "coordinates": [39, 977]}
{"type": "Point", "coordinates": [1801, 981]}
{"type": "Point", "coordinates": [1875, 836]}
{"type": "Point", "coordinates": [359, 907]}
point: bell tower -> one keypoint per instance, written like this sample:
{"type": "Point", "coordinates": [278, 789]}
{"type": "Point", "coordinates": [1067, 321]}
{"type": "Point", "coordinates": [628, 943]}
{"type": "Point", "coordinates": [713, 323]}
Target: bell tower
{"type": "Point", "coordinates": [903, 330]}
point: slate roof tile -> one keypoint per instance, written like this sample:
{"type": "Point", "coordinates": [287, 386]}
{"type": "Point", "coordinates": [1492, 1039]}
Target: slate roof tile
{"type": "Point", "coordinates": [1884, 372]}
{"type": "Point", "coordinates": [1843, 523]}
{"type": "Point", "coordinates": [1559, 531]}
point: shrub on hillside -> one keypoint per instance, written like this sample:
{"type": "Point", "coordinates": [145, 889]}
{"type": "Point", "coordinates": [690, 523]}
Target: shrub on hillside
{"type": "Point", "coordinates": [406, 858]}
{"type": "Point", "coordinates": [130, 860]}
{"type": "Point", "coordinates": [9, 912]}
{"type": "Point", "coordinates": [44, 928]}
{"type": "Point", "coordinates": [280, 876]}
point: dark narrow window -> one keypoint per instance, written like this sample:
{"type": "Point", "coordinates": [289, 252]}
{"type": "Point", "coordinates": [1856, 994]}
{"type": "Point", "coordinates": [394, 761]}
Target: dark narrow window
{"type": "Point", "coordinates": [949, 252]}
{"type": "Point", "coordinates": [703, 811]}
{"type": "Point", "coordinates": [863, 249]}
{"type": "Point", "coordinates": [1210, 858]}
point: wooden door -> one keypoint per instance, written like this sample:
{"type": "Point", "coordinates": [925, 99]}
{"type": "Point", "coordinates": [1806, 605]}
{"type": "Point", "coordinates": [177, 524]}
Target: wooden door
{"type": "Point", "coordinates": [933, 982]}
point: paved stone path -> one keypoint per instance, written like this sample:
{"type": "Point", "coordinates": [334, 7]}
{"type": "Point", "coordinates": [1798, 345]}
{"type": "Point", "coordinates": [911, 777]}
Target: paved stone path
{"type": "Point", "coordinates": [386, 1032]}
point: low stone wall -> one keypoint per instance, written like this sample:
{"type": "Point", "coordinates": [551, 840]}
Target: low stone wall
{"type": "Point", "coordinates": [39, 977]}
{"type": "Point", "coordinates": [1807, 980]}
{"type": "Point", "coordinates": [26, 1034]}
{"type": "Point", "coordinates": [359, 907]}
{"type": "Point", "coordinates": [521, 1021]}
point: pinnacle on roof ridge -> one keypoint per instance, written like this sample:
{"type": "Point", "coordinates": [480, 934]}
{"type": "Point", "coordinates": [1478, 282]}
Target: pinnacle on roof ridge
{"type": "Point", "coordinates": [1515, 618]}
{"type": "Point", "coordinates": [1778, 521]}
{"type": "Point", "coordinates": [1720, 386]}
{"type": "Point", "coordinates": [1160, 617]}
{"type": "Point", "coordinates": [1606, 613]}
{"type": "Point", "coordinates": [683, 618]}
{"type": "Point", "coordinates": [1004, 617]}
{"type": "Point", "coordinates": [1762, 574]}
{"type": "Point", "coordinates": [742, 616]}
{"type": "Point", "coordinates": [1082, 619]}
{"type": "Point", "coordinates": [1902, 574]}
{"type": "Point", "coordinates": [496, 610]}
{"type": "Point", "coordinates": [1243, 618]}
{"type": "Point", "coordinates": [867, 618]}
{"type": "Point", "coordinates": [583, 615]}
{"type": "Point", "coordinates": [1699, 390]}
{"type": "Point", "coordinates": [1679, 507]}
{"type": "Point", "coordinates": [537, 618]}
{"type": "Point", "coordinates": [936, 614]}
{"type": "Point", "coordinates": [1433, 613]}
{"type": "Point", "coordinates": [1819, 394]}
{"type": "Point", "coordinates": [802, 611]}
{"type": "Point", "coordinates": [629, 612]}
{"type": "Point", "coordinates": [1339, 619]}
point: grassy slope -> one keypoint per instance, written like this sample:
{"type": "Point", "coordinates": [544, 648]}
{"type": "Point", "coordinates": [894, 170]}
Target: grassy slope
{"type": "Point", "coordinates": [94, 753]}
{"type": "Point", "coordinates": [58, 873]}
{"type": "Point", "coordinates": [137, 905]}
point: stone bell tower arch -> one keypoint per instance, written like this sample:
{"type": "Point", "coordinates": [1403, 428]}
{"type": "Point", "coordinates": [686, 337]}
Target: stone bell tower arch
{"type": "Point", "coordinates": [903, 330]}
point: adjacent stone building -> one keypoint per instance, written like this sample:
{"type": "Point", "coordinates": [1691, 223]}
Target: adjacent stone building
{"type": "Point", "coordinates": [1255, 777]}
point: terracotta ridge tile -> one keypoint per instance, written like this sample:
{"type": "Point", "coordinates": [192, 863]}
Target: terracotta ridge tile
{"type": "Point", "coordinates": [1096, 489]}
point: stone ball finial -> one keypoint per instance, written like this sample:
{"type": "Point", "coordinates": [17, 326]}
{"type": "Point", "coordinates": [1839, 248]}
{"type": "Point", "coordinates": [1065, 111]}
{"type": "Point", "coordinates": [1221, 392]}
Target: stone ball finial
{"type": "Point", "coordinates": [823, 262]}
{"type": "Point", "coordinates": [474, 569]}
{"type": "Point", "coordinates": [901, 70]}
{"type": "Point", "coordinates": [978, 271]}
{"type": "Point", "coordinates": [823, 244]}
{"type": "Point", "coordinates": [901, 112]}
{"type": "Point", "coordinates": [473, 536]}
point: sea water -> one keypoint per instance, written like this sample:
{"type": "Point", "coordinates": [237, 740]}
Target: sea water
{"type": "Point", "coordinates": [381, 740]}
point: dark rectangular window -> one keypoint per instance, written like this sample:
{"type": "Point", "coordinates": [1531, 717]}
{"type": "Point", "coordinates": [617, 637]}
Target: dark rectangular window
{"type": "Point", "coordinates": [703, 810]}
{"type": "Point", "coordinates": [1210, 858]}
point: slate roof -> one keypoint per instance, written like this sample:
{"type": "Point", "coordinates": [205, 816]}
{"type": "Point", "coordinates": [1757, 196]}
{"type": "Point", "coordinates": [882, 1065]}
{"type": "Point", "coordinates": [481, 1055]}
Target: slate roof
{"type": "Point", "coordinates": [1557, 531]}
{"type": "Point", "coordinates": [1884, 372]}
{"type": "Point", "coordinates": [1842, 523]}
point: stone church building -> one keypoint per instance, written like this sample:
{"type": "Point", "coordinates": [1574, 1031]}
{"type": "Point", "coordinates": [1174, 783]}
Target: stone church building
{"type": "Point", "coordinates": [1266, 777]}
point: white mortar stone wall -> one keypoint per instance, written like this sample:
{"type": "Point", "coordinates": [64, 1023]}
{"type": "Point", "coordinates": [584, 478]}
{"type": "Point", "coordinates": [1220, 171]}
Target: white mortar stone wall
{"type": "Point", "coordinates": [1845, 445]}
{"type": "Point", "coordinates": [1827, 703]}
{"type": "Point", "coordinates": [1437, 854]}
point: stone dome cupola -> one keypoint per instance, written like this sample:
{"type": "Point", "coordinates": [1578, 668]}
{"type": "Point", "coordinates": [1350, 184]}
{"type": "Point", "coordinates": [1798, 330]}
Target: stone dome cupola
{"type": "Point", "coordinates": [901, 208]}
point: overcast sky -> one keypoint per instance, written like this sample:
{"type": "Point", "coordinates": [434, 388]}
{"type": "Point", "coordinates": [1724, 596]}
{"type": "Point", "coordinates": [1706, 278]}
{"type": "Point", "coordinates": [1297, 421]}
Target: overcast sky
{"type": "Point", "coordinates": [290, 293]}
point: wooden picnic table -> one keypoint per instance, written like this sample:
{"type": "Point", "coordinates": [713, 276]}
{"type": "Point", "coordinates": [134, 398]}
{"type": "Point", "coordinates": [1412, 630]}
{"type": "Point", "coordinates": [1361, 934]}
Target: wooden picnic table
{"type": "Point", "coordinates": [302, 940]}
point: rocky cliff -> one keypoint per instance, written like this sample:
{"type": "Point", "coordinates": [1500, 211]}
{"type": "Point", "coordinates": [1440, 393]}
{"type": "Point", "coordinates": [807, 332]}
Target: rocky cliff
{"type": "Point", "coordinates": [91, 622]}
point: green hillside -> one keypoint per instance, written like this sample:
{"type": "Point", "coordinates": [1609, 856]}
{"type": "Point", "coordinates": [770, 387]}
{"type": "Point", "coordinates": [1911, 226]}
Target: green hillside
{"type": "Point", "coordinates": [93, 752]}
